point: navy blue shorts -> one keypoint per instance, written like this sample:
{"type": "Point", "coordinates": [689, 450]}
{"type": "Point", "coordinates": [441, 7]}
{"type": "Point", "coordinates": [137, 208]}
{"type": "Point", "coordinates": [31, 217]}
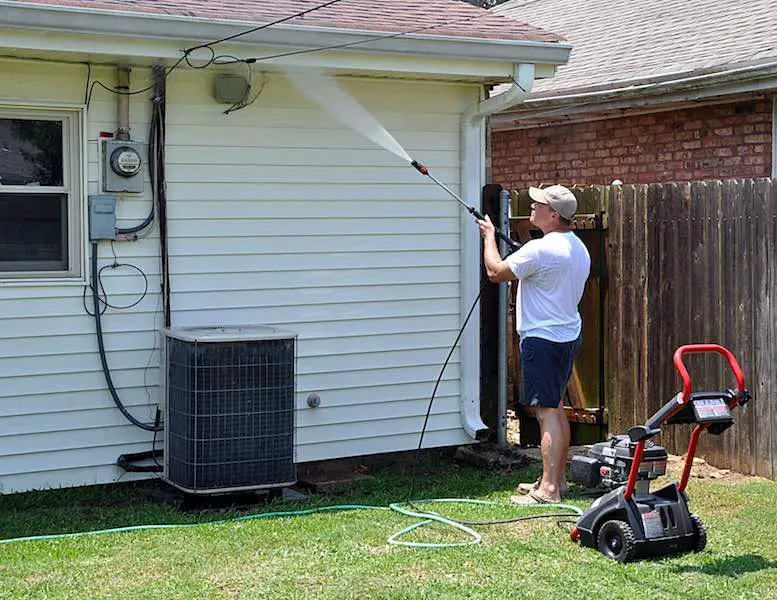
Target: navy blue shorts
{"type": "Point", "coordinates": [545, 370]}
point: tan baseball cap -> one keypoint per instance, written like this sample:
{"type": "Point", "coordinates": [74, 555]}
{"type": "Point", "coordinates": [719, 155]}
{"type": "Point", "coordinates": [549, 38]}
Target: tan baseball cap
{"type": "Point", "coordinates": [557, 197]}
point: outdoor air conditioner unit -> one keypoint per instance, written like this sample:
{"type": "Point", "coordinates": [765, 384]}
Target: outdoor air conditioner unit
{"type": "Point", "coordinates": [229, 408]}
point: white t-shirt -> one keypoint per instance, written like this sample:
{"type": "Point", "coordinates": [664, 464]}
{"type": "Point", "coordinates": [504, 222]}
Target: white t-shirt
{"type": "Point", "coordinates": [551, 272]}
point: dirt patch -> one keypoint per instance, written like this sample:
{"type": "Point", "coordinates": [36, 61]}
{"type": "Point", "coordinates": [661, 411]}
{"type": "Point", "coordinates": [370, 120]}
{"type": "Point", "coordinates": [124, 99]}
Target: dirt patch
{"type": "Point", "coordinates": [512, 428]}
{"type": "Point", "coordinates": [493, 457]}
{"type": "Point", "coordinates": [701, 470]}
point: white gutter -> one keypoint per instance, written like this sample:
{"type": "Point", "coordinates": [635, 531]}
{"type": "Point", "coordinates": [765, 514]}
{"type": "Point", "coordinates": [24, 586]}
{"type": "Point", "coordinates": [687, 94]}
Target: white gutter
{"type": "Point", "coordinates": [643, 84]}
{"type": "Point", "coordinates": [730, 81]}
{"type": "Point", "coordinates": [473, 169]}
{"type": "Point", "coordinates": [628, 106]}
{"type": "Point", "coordinates": [198, 30]}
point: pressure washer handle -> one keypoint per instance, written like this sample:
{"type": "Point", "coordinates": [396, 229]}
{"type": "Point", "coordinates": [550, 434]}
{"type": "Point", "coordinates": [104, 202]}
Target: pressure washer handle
{"type": "Point", "coordinates": [724, 352]}
{"type": "Point", "coordinates": [512, 245]}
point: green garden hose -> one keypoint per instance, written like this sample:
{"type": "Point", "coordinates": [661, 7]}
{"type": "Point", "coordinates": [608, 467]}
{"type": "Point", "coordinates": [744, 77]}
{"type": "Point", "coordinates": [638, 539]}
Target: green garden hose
{"type": "Point", "coordinates": [428, 518]}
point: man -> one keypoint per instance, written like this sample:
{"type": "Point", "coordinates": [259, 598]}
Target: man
{"type": "Point", "coordinates": [551, 274]}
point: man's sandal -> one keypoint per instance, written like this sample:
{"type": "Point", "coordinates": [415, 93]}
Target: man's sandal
{"type": "Point", "coordinates": [527, 488]}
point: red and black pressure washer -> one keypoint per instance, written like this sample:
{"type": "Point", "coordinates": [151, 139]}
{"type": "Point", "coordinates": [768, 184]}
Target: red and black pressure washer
{"type": "Point", "coordinates": [629, 521]}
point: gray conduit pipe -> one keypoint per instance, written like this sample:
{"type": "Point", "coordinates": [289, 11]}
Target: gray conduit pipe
{"type": "Point", "coordinates": [504, 306]}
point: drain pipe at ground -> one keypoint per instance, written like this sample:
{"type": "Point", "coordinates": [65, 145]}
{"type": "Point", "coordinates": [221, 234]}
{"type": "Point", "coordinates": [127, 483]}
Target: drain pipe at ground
{"type": "Point", "coordinates": [472, 175]}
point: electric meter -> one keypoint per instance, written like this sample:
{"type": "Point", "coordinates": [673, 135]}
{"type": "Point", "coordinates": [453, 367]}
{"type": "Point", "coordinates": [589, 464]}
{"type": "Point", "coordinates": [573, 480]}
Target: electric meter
{"type": "Point", "coordinates": [123, 166]}
{"type": "Point", "coordinates": [125, 161]}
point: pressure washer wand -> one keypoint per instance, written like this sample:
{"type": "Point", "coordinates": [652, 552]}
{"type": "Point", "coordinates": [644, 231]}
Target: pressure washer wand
{"type": "Point", "coordinates": [470, 209]}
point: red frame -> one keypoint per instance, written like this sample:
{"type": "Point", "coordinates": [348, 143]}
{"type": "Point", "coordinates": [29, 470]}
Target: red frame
{"type": "Point", "coordinates": [697, 430]}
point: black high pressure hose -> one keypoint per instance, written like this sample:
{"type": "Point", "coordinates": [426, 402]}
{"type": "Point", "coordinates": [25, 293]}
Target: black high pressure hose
{"type": "Point", "coordinates": [512, 246]}
{"type": "Point", "coordinates": [562, 517]}
{"type": "Point", "coordinates": [434, 392]}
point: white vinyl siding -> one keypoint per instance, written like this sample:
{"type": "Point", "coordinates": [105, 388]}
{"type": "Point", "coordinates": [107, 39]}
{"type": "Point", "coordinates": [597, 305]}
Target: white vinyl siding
{"type": "Point", "coordinates": [277, 215]}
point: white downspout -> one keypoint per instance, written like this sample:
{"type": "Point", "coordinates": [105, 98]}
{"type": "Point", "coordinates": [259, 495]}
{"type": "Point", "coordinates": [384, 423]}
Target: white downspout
{"type": "Point", "coordinates": [472, 174]}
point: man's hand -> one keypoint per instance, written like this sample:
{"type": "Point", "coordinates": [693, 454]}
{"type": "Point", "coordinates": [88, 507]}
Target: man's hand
{"type": "Point", "coordinates": [496, 269]}
{"type": "Point", "coordinates": [487, 229]}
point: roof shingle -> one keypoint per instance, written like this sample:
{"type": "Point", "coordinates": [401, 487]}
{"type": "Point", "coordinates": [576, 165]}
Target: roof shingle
{"type": "Point", "coordinates": [433, 17]}
{"type": "Point", "coordinates": [621, 40]}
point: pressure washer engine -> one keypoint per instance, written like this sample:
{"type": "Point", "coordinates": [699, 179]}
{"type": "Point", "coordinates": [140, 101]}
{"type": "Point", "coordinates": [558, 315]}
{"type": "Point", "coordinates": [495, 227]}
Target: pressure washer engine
{"type": "Point", "coordinates": [608, 465]}
{"type": "Point", "coordinates": [630, 521]}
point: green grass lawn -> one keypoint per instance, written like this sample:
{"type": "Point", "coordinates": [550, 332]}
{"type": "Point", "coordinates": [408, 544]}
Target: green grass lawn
{"type": "Point", "coordinates": [345, 554]}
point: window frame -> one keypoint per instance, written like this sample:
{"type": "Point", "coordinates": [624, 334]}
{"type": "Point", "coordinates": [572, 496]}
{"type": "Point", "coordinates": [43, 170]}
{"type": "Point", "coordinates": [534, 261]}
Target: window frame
{"type": "Point", "coordinates": [72, 119]}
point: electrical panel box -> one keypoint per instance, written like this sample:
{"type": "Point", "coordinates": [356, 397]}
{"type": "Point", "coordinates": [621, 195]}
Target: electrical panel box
{"type": "Point", "coordinates": [123, 166]}
{"type": "Point", "coordinates": [102, 217]}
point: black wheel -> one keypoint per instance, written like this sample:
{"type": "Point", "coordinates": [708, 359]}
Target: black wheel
{"type": "Point", "coordinates": [616, 541]}
{"type": "Point", "coordinates": [700, 532]}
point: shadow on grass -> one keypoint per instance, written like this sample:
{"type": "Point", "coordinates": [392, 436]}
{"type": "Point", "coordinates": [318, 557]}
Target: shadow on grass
{"type": "Point", "coordinates": [141, 503]}
{"type": "Point", "coordinates": [729, 566]}
{"type": "Point", "coordinates": [437, 476]}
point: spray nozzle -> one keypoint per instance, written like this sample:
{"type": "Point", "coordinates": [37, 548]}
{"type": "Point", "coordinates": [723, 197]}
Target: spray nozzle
{"type": "Point", "coordinates": [421, 169]}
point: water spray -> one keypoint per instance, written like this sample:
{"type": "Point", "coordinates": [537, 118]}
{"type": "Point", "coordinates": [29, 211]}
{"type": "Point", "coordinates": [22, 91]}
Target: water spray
{"type": "Point", "coordinates": [325, 92]}
{"type": "Point", "coordinates": [470, 209]}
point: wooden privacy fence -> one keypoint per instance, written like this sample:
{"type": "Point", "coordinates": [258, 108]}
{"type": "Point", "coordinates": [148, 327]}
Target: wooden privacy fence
{"type": "Point", "coordinates": [694, 263]}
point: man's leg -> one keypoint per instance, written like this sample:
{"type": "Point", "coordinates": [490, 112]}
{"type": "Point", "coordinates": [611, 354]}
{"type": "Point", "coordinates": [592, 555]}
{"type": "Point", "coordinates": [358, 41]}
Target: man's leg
{"type": "Point", "coordinates": [565, 440]}
{"type": "Point", "coordinates": [554, 453]}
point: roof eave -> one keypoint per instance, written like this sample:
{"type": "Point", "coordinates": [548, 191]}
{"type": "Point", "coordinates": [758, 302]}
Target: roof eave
{"type": "Point", "coordinates": [584, 103]}
{"type": "Point", "coordinates": [194, 31]}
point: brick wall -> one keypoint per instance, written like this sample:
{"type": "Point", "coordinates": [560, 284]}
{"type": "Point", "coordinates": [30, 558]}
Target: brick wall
{"type": "Point", "coordinates": [708, 142]}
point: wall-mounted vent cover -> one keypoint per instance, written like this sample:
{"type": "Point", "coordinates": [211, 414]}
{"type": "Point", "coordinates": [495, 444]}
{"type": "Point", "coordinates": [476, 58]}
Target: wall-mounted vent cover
{"type": "Point", "coordinates": [229, 415]}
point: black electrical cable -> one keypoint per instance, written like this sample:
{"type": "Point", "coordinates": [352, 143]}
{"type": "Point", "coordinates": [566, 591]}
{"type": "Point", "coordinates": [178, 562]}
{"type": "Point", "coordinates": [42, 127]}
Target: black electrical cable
{"type": "Point", "coordinates": [104, 302]}
{"type": "Point", "coordinates": [89, 286]}
{"type": "Point", "coordinates": [434, 393]}
{"type": "Point", "coordinates": [154, 139]}
{"type": "Point", "coordinates": [155, 454]}
{"type": "Point", "coordinates": [101, 347]}
{"type": "Point", "coordinates": [127, 461]}
{"type": "Point", "coordinates": [423, 431]}
{"type": "Point", "coordinates": [158, 184]}
{"type": "Point", "coordinates": [265, 26]}
{"type": "Point", "coordinates": [214, 57]}
{"type": "Point", "coordinates": [88, 78]}
{"type": "Point", "coordinates": [134, 92]}
{"type": "Point", "coordinates": [367, 40]}
{"type": "Point", "coordinates": [186, 52]}
{"type": "Point", "coordinates": [245, 103]}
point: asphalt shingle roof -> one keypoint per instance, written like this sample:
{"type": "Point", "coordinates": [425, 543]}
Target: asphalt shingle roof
{"type": "Point", "coordinates": [621, 40]}
{"type": "Point", "coordinates": [456, 18]}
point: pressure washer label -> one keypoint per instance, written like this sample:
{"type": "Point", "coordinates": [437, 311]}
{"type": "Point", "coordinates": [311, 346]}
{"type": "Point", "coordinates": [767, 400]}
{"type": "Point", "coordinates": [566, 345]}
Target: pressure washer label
{"type": "Point", "coordinates": [711, 409]}
{"type": "Point", "coordinates": [652, 524]}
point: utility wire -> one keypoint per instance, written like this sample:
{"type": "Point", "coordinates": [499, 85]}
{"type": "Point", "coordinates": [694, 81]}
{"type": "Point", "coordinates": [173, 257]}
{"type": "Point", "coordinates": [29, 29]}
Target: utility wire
{"type": "Point", "coordinates": [207, 45]}
{"type": "Point", "coordinates": [214, 58]}
{"type": "Point", "coordinates": [265, 26]}
{"type": "Point", "coordinates": [368, 40]}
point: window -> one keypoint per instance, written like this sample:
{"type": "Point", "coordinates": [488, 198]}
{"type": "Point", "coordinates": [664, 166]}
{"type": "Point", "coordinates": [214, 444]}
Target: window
{"type": "Point", "coordinates": [40, 199]}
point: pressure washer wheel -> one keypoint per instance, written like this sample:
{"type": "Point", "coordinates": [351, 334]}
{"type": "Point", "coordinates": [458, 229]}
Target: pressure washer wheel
{"type": "Point", "coordinates": [701, 533]}
{"type": "Point", "coordinates": [616, 540]}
